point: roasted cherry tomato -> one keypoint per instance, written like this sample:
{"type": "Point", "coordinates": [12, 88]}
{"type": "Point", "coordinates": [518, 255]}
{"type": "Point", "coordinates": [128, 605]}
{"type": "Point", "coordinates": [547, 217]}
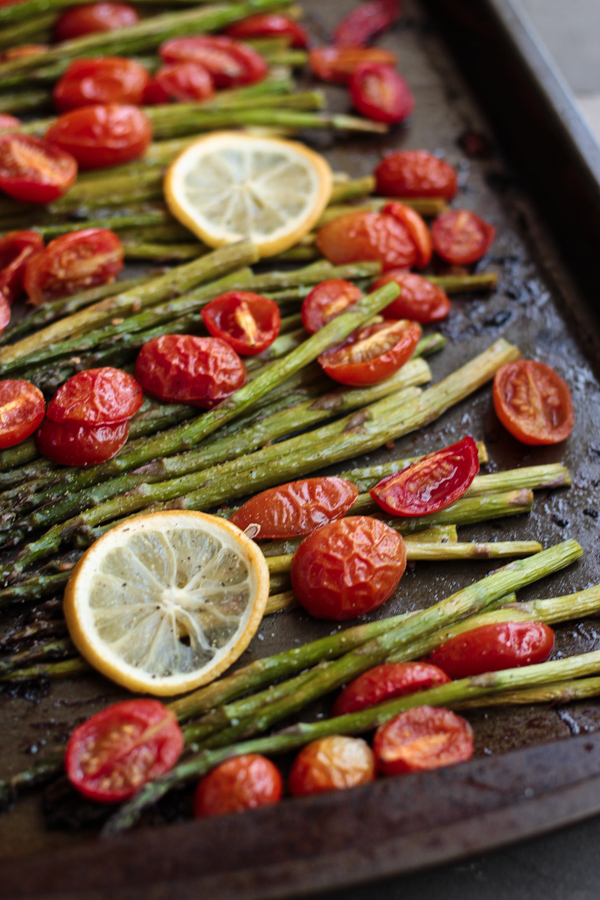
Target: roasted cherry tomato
{"type": "Point", "coordinates": [186, 82]}
{"type": "Point", "coordinates": [269, 25]}
{"type": "Point", "coordinates": [331, 764]}
{"type": "Point", "coordinates": [420, 300]}
{"type": "Point", "coordinates": [337, 64]}
{"type": "Point", "coordinates": [372, 353]}
{"type": "Point", "coordinates": [461, 237]}
{"type": "Point", "coordinates": [109, 79]}
{"type": "Point", "coordinates": [72, 444]}
{"type": "Point", "coordinates": [99, 136]}
{"type": "Point", "coordinates": [368, 20]}
{"type": "Point", "coordinates": [183, 368]}
{"type": "Point", "coordinates": [4, 313]}
{"type": "Point", "coordinates": [96, 397]}
{"type": "Point", "coordinates": [15, 249]}
{"type": "Point", "coordinates": [415, 173]}
{"type": "Point", "coordinates": [422, 738]}
{"type": "Point", "coordinates": [533, 402]}
{"type": "Point", "coordinates": [386, 682]}
{"type": "Point", "coordinates": [247, 322]}
{"type": "Point", "coordinates": [7, 121]}
{"type": "Point", "coordinates": [379, 93]}
{"type": "Point", "coordinates": [244, 782]}
{"type": "Point", "coordinates": [22, 408]}
{"type": "Point", "coordinates": [297, 508]}
{"type": "Point", "coordinates": [432, 483]}
{"type": "Point", "coordinates": [501, 645]}
{"type": "Point", "coordinates": [229, 62]}
{"type": "Point", "coordinates": [348, 568]}
{"type": "Point", "coordinates": [73, 262]}
{"type": "Point", "coordinates": [94, 17]}
{"type": "Point", "coordinates": [359, 236]}
{"type": "Point", "coordinates": [112, 755]}
{"type": "Point", "coordinates": [326, 301]}
{"type": "Point", "coordinates": [34, 171]}
{"type": "Point", "coordinates": [417, 229]}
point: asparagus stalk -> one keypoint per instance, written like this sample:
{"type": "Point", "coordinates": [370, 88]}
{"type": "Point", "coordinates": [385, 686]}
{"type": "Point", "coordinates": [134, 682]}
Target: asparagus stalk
{"type": "Point", "coordinates": [49, 650]}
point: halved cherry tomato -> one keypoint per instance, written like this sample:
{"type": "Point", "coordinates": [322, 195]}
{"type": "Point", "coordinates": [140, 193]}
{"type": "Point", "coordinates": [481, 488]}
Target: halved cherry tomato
{"type": "Point", "coordinates": [386, 682]}
{"type": "Point", "coordinates": [73, 262]}
{"type": "Point", "coordinates": [99, 136]}
{"type": "Point", "coordinates": [269, 25]}
{"type": "Point", "coordinates": [22, 408]}
{"type": "Point", "coordinates": [326, 301]}
{"type": "Point", "coordinates": [15, 249]}
{"type": "Point", "coordinates": [183, 368]}
{"type": "Point", "coordinates": [420, 300]}
{"type": "Point", "coordinates": [34, 171]}
{"type": "Point", "coordinates": [297, 507]}
{"type": "Point", "coordinates": [4, 313]}
{"type": "Point", "coordinates": [415, 173]}
{"type": "Point", "coordinates": [359, 236]}
{"type": "Point", "coordinates": [432, 483]}
{"type": "Point", "coordinates": [244, 782]}
{"type": "Point", "coordinates": [368, 20]}
{"type": "Point", "coordinates": [186, 82]}
{"type": "Point", "coordinates": [422, 738]}
{"type": "Point", "coordinates": [461, 237]}
{"type": "Point", "coordinates": [73, 444]}
{"type": "Point", "coordinates": [229, 62]}
{"type": "Point", "coordinates": [7, 121]}
{"type": "Point", "coordinates": [247, 322]}
{"type": "Point", "coordinates": [96, 397]}
{"type": "Point", "coordinates": [112, 755]}
{"type": "Point", "coordinates": [533, 402]}
{"type": "Point", "coordinates": [417, 229]}
{"type": "Point", "coordinates": [108, 79]}
{"type": "Point", "coordinates": [490, 648]}
{"type": "Point", "coordinates": [331, 764]}
{"type": "Point", "coordinates": [372, 353]}
{"type": "Point", "coordinates": [348, 568]}
{"type": "Point", "coordinates": [337, 64]}
{"type": "Point", "coordinates": [379, 93]}
{"type": "Point", "coordinates": [94, 17]}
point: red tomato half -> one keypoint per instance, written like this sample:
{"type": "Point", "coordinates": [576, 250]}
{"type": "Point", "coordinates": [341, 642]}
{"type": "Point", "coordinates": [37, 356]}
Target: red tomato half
{"type": "Point", "coordinates": [432, 483]}
{"type": "Point", "coordinates": [360, 236]}
{"type": "Point", "coordinates": [502, 645]}
{"type": "Point", "coordinates": [34, 171]}
{"type": "Point", "coordinates": [15, 249]}
{"type": "Point", "coordinates": [415, 173]}
{"type": "Point", "coordinates": [73, 262]}
{"type": "Point", "coordinates": [460, 237]}
{"type": "Point", "coordinates": [72, 444]}
{"type": "Point", "coordinates": [379, 93]}
{"type": "Point", "coordinates": [109, 79]}
{"type": "Point", "coordinates": [7, 121]}
{"type": "Point", "coordinates": [417, 229]}
{"type": "Point", "coordinates": [422, 738]}
{"type": "Point", "coordinates": [420, 300]}
{"type": "Point", "coordinates": [22, 408]}
{"type": "Point", "coordinates": [368, 20]}
{"type": "Point", "coordinates": [112, 755]}
{"type": "Point", "coordinates": [348, 568]}
{"type": "Point", "coordinates": [386, 682]}
{"type": "Point", "coordinates": [96, 397]}
{"type": "Point", "coordinates": [229, 62]}
{"type": "Point", "coordinates": [269, 25]}
{"type": "Point", "coordinates": [94, 17]}
{"type": "Point", "coordinates": [244, 782]}
{"type": "Point", "coordinates": [331, 764]}
{"type": "Point", "coordinates": [533, 402]}
{"type": "Point", "coordinates": [297, 508]}
{"type": "Point", "coordinates": [247, 322]}
{"type": "Point", "coordinates": [326, 301]}
{"type": "Point", "coordinates": [372, 353]}
{"type": "Point", "coordinates": [187, 82]}
{"type": "Point", "coordinates": [183, 368]}
{"type": "Point", "coordinates": [337, 64]}
{"type": "Point", "coordinates": [99, 136]}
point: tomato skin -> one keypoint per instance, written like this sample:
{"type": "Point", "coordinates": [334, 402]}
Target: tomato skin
{"type": "Point", "coordinates": [102, 396]}
{"type": "Point", "coordinates": [22, 408]}
{"type": "Point", "coordinates": [244, 782]}
{"type": "Point", "coordinates": [108, 79]}
{"type": "Point", "coordinates": [366, 21]}
{"type": "Point", "coordinates": [185, 82]}
{"type": "Point", "coordinates": [99, 136]}
{"type": "Point", "coordinates": [247, 322]}
{"type": "Point", "coordinates": [332, 763]}
{"type": "Point", "coordinates": [386, 682]}
{"type": "Point", "coordinates": [420, 300]}
{"type": "Point", "coordinates": [94, 17]}
{"type": "Point", "coordinates": [417, 229]}
{"type": "Point", "coordinates": [34, 171]}
{"type": "Point", "coordinates": [380, 93]}
{"type": "Point", "coordinates": [73, 262]}
{"type": "Point", "coordinates": [359, 236]}
{"type": "Point", "coordinates": [73, 444]}
{"type": "Point", "coordinates": [229, 62]}
{"type": "Point", "coordinates": [491, 648]}
{"type": "Point", "coordinates": [533, 402]}
{"type": "Point", "coordinates": [337, 64]}
{"type": "Point", "coordinates": [431, 484]}
{"type": "Point", "coordinates": [15, 249]}
{"type": "Point", "coordinates": [348, 568]}
{"type": "Point", "coordinates": [112, 755]}
{"type": "Point", "coordinates": [4, 313]}
{"type": "Point", "coordinates": [183, 368]}
{"type": "Point", "coordinates": [460, 237]}
{"type": "Point", "coordinates": [372, 353]}
{"type": "Point", "coordinates": [7, 121]}
{"type": "Point", "coordinates": [297, 507]}
{"type": "Point", "coordinates": [269, 25]}
{"type": "Point", "coordinates": [326, 301]}
{"type": "Point", "coordinates": [422, 738]}
{"type": "Point", "coordinates": [415, 173]}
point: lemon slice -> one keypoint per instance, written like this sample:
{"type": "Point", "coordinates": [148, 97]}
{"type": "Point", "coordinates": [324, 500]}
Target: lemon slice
{"type": "Point", "coordinates": [230, 185]}
{"type": "Point", "coordinates": [167, 601]}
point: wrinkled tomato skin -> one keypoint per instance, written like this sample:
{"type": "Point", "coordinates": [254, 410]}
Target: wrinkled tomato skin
{"type": "Point", "coordinates": [112, 755]}
{"type": "Point", "coordinates": [332, 763]}
{"type": "Point", "coordinates": [73, 262]}
{"type": "Point", "coordinates": [460, 237]}
{"type": "Point", "coordinates": [337, 64]}
{"type": "Point", "coordinates": [415, 173]}
{"type": "Point", "coordinates": [431, 484]}
{"type": "Point", "coordinates": [366, 21]}
{"type": "Point", "coordinates": [269, 25]}
{"type": "Point", "coordinates": [73, 444]}
{"type": "Point", "coordinates": [386, 682]}
{"type": "Point", "coordinates": [372, 353]}
{"type": "Point", "coordinates": [360, 236]}
{"type": "Point", "coordinates": [92, 18]}
{"type": "Point", "coordinates": [244, 782]}
{"type": "Point", "coordinates": [419, 300]}
{"type": "Point", "coordinates": [422, 738]}
{"type": "Point", "coordinates": [99, 136]}
{"type": "Point", "coordinates": [15, 249]}
{"type": "Point", "coordinates": [183, 368]}
{"type": "Point", "coordinates": [297, 507]}
{"type": "Point", "coordinates": [417, 229]}
{"type": "Point", "coordinates": [229, 62]}
{"type": "Point", "coordinates": [533, 402]}
{"type": "Point", "coordinates": [491, 648]}
{"type": "Point", "coordinates": [184, 82]}
{"type": "Point", "coordinates": [7, 121]}
{"type": "Point", "coordinates": [103, 396]}
{"type": "Point", "coordinates": [109, 79]}
{"type": "Point", "coordinates": [48, 176]}
{"type": "Point", "coordinates": [381, 94]}
{"type": "Point", "coordinates": [326, 301]}
{"type": "Point", "coordinates": [22, 408]}
{"type": "Point", "coordinates": [247, 322]}
{"type": "Point", "coordinates": [348, 568]}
